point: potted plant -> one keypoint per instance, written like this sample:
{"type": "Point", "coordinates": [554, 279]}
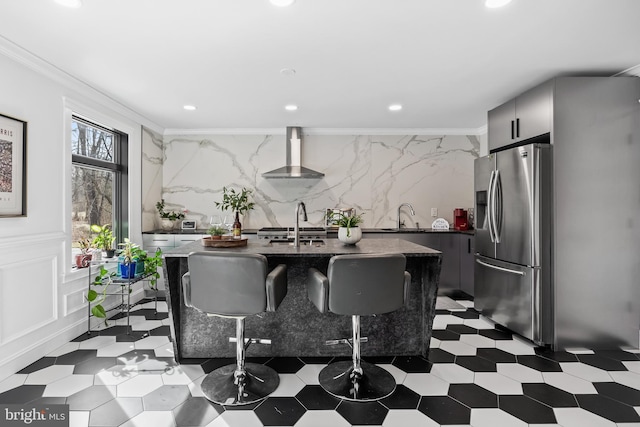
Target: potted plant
{"type": "Point", "coordinates": [216, 232]}
{"type": "Point", "coordinates": [140, 257]}
{"type": "Point", "coordinates": [126, 260]}
{"type": "Point", "coordinates": [104, 239]}
{"type": "Point", "coordinates": [348, 232]}
{"type": "Point", "coordinates": [169, 218]}
{"type": "Point", "coordinates": [84, 257]}
{"type": "Point", "coordinates": [237, 202]}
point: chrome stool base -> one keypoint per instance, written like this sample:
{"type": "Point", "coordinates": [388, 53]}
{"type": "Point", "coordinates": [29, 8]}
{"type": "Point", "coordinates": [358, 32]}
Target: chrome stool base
{"type": "Point", "coordinates": [374, 384]}
{"type": "Point", "coordinates": [260, 382]}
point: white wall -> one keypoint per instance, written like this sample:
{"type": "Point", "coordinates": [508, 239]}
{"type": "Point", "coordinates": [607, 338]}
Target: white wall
{"type": "Point", "coordinates": [41, 298]}
{"type": "Point", "coordinates": [372, 173]}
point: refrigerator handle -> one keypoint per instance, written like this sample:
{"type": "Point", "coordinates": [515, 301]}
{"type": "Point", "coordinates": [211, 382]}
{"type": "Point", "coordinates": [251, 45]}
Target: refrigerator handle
{"type": "Point", "coordinates": [490, 207]}
{"type": "Point", "coordinates": [497, 209]}
{"type": "Point", "coordinates": [493, 206]}
{"type": "Point", "coordinates": [495, 267]}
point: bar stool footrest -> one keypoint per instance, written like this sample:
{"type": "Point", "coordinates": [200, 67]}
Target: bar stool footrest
{"type": "Point", "coordinates": [375, 384]}
{"type": "Point", "coordinates": [219, 386]}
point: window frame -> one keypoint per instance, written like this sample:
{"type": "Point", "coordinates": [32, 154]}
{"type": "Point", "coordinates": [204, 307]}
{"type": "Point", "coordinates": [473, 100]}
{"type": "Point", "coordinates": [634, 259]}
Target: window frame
{"type": "Point", "coordinates": [120, 167]}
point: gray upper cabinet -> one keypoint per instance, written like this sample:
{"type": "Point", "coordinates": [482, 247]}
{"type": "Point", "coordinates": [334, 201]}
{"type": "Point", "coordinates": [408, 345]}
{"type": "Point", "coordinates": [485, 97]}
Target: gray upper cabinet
{"type": "Point", "coordinates": [521, 118]}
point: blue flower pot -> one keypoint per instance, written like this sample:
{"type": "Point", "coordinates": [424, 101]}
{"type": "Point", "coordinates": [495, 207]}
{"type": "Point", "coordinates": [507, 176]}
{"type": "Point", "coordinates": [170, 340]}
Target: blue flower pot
{"type": "Point", "coordinates": [128, 271]}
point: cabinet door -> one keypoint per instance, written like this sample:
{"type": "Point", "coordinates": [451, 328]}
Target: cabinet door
{"type": "Point", "coordinates": [150, 242]}
{"type": "Point", "coordinates": [501, 126]}
{"type": "Point", "coordinates": [467, 249]}
{"type": "Point", "coordinates": [183, 239]}
{"type": "Point", "coordinates": [450, 270]}
{"type": "Point", "coordinates": [533, 111]}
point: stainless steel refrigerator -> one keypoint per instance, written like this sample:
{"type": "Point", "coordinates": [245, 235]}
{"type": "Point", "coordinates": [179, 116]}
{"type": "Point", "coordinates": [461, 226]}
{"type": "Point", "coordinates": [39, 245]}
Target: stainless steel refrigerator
{"type": "Point", "coordinates": [558, 222]}
{"type": "Point", "coordinates": [513, 230]}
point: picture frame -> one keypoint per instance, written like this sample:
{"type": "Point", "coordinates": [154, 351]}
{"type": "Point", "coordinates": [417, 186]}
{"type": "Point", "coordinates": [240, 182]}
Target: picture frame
{"type": "Point", "coordinates": [13, 167]}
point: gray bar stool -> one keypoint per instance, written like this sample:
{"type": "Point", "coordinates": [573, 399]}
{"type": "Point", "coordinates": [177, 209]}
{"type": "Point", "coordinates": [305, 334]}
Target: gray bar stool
{"type": "Point", "coordinates": [232, 285]}
{"type": "Point", "coordinates": [359, 285]}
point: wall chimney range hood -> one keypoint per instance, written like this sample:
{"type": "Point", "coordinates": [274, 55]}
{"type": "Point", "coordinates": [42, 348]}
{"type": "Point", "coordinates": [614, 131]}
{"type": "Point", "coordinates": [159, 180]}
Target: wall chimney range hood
{"type": "Point", "coordinates": [293, 168]}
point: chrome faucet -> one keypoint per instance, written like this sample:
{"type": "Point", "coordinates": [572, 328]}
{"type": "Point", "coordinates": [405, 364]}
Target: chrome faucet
{"type": "Point", "coordinates": [296, 238]}
{"type": "Point", "coordinates": [400, 207]}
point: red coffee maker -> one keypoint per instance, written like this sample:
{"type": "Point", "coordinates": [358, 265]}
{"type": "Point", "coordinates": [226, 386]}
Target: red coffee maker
{"type": "Point", "coordinates": [460, 221]}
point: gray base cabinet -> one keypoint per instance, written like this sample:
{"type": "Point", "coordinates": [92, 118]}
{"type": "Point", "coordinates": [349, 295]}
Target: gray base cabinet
{"type": "Point", "coordinates": [456, 273]}
{"type": "Point", "coordinates": [467, 249]}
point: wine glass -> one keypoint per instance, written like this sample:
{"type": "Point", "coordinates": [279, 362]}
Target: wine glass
{"type": "Point", "coordinates": [228, 222]}
{"type": "Point", "coordinates": [215, 220]}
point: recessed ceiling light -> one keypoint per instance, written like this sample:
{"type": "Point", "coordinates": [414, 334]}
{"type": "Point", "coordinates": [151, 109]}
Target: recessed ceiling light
{"type": "Point", "coordinates": [288, 72]}
{"type": "Point", "coordinates": [282, 3]}
{"type": "Point", "coordinates": [189, 107]}
{"type": "Point", "coordinates": [70, 3]}
{"type": "Point", "coordinates": [395, 107]}
{"type": "Point", "coordinates": [291, 107]}
{"type": "Point", "coordinates": [496, 3]}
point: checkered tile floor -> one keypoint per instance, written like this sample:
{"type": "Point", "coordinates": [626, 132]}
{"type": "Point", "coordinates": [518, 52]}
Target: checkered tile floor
{"type": "Point", "coordinates": [476, 374]}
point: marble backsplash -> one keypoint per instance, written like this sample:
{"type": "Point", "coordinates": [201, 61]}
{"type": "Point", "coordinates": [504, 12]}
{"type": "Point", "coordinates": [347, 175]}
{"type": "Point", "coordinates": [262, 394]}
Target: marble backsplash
{"type": "Point", "coordinates": [374, 174]}
{"type": "Point", "coordinates": [151, 177]}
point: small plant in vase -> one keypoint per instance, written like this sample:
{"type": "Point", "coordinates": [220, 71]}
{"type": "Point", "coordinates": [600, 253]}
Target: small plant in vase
{"type": "Point", "coordinates": [237, 202]}
{"type": "Point", "coordinates": [348, 232]}
{"type": "Point", "coordinates": [168, 218]}
{"type": "Point", "coordinates": [127, 259]}
{"type": "Point", "coordinates": [216, 232]}
{"type": "Point", "coordinates": [104, 239]}
{"type": "Point", "coordinates": [84, 257]}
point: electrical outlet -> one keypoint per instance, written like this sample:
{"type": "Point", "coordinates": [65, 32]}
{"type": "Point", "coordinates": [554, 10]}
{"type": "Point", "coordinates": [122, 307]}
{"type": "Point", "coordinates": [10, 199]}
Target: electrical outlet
{"type": "Point", "coordinates": [434, 212]}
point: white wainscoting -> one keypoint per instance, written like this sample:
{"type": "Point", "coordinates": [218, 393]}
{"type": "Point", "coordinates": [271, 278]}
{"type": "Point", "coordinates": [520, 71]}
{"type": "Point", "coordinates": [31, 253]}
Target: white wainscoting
{"type": "Point", "coordinates": [42, 303]}
{"type": "Point", "coordinates": [28, 296]}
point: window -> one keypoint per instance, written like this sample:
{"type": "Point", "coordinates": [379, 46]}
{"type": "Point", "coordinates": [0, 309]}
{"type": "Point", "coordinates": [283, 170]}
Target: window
{"type": "Point", "coordinates": [98, 180]}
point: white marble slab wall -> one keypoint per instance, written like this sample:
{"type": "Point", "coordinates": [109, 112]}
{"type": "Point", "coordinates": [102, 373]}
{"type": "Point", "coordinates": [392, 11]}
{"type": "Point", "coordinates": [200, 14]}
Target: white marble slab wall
{"type": "Point", "coordinates": [151, 178]}
{"type": "Point", "coordinates": [372, 173]}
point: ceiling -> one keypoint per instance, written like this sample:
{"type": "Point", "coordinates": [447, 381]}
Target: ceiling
{"type": "Point", "coordinates": [446, 61]}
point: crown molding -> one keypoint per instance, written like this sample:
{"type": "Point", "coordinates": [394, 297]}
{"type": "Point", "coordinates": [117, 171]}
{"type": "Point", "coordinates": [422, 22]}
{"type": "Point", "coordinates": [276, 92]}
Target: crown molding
{"type": "Point", "coordinates": [330, 131]}
{"type": "Point", "coordinates": [632, 71]}
{"type": "Point", "coordinates": [46, 69]}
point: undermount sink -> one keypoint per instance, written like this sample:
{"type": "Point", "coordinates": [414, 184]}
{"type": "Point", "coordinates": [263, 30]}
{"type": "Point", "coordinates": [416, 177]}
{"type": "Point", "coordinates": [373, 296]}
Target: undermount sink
{"type": "Point", "coordinates": [302, 242]}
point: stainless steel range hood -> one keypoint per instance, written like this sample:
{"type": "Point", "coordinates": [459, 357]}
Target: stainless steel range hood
{"type": "Point", "coordinates": [293, 168]}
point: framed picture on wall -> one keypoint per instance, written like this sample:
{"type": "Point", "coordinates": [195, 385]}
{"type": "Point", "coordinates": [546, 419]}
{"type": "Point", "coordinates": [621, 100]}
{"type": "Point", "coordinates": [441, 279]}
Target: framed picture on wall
{"type": "Point", "coordinates": [13, 167]}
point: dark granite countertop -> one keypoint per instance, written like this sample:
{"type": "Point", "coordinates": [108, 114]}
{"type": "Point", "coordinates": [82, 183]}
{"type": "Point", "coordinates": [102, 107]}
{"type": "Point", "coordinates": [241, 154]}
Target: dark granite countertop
{"type": "Point", "coordinates": [329, 248]}
{"type": "Point", "coordinates": [329, 231]}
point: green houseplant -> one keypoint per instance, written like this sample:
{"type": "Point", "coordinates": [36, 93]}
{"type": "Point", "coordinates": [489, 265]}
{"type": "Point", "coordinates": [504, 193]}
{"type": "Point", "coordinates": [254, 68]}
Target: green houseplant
{"type": "Point", "coordinates": [167, 218]}
{"type": "Point", "coordinates": [104, 238]}
{"type": "Point", "coordinates": [151, 265]}
{"type": "Point", "coordinates": [104, 278]}
{"type": "Point", "coordinates": [349, 231]}
{"type": "Point", "coordinates": [238, 202]}
{"type": "Point", "coordinates": [84, 257]}
{"type": "Point", "coordinates": [127, 259]}
{"type": "Point", "coordinates": [216, 232]}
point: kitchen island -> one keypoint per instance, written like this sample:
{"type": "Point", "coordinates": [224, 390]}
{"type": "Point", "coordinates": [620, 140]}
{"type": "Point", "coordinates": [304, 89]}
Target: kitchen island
{"type": "Point", "coordinates": [297, 328]}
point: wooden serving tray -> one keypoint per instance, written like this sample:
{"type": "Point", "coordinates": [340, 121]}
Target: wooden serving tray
{"type": "Point", "coordinates": [225, 242]}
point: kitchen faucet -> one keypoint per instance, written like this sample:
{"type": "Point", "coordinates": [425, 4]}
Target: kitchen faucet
{"type": "Point", "coordinates": [296, 238]}
{"type": "Point", "coordinates": [400, 207]}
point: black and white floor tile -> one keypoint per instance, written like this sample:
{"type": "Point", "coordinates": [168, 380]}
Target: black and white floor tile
{"type": "Point", "coordinates": [476, 375]}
